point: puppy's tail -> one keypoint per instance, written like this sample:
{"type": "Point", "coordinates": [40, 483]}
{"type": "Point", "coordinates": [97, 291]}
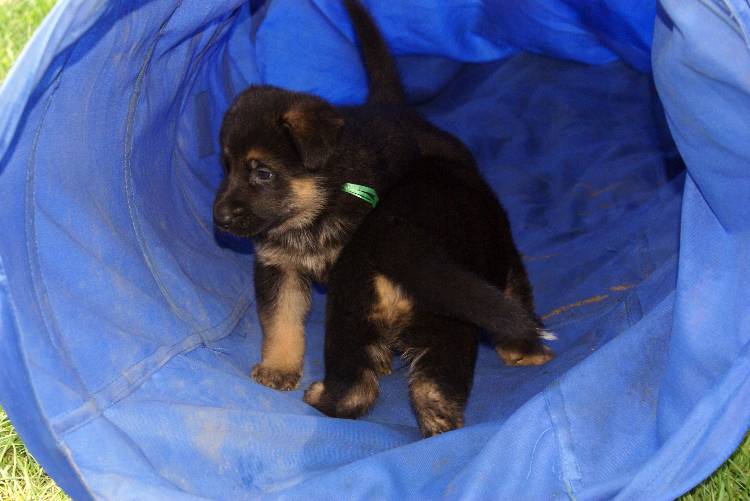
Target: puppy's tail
{"type": "Point", "coordinates": [384, 81]}
{"type": "Point", "coordinates": [440, 285]}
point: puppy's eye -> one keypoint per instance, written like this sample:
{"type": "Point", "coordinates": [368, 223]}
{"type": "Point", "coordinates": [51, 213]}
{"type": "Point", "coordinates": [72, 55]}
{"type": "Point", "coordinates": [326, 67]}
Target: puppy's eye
{"type": "Point", "coordinates": [262, 175]}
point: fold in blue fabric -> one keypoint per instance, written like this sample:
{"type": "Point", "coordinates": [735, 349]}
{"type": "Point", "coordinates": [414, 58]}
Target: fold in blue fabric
{"type": "Point", "coordinates": [612, 131]}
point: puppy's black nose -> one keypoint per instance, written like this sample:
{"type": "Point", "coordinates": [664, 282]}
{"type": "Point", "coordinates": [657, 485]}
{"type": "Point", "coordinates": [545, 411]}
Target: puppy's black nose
{"type": "Point", "coordinates": [224, 215]}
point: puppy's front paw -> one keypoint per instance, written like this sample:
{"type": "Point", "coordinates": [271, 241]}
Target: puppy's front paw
{"type": "Point", "coordinates": [276, 378]}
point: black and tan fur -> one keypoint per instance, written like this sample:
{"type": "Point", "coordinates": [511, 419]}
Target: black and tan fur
{"type": "Point", "coordinates": [422, 272]}
{"type": "Point", "coordinates": [298, 217]}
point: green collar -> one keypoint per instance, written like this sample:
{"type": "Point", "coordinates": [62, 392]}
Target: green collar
{"type": "Point", "coordinates": [364, 192]}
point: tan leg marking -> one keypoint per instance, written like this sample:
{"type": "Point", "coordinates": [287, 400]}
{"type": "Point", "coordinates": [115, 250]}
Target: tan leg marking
{"type": "Point", "coordinates": [284, 334]}
{"type": "Point", "coordinates": [393, 307]}
{"type": "Point", "coordinates": [435, 413]}
{"type": "Point", "coordinates": [256, 154]}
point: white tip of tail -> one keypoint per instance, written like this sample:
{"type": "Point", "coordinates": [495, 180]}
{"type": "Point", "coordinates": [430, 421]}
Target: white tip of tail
{"type": "Point", "coordinates": [547, 335]}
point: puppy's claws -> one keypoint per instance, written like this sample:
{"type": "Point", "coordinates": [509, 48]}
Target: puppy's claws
{"type": "Point", "coordinates": [547, 335]}
{"type": "Point", "coordinates": [276, 378]}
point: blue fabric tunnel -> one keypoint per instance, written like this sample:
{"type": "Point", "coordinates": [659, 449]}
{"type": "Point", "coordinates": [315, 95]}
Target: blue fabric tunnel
{"type": "Point", "coordinates": [615, 132]}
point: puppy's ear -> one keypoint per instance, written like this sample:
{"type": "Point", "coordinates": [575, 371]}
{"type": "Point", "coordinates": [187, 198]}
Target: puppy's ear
{"type": "Point", "coordinates": [314, 129]}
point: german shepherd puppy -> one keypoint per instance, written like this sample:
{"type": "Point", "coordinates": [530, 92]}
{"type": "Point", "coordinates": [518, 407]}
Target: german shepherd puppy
{"type": "Point", "coordinates": [423, 270]}
{"type": "Point", "coordinates": [286, 156]}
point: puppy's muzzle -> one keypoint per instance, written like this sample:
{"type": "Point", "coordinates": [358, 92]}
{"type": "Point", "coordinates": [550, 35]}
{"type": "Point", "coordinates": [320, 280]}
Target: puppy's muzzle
{"type": "Point", "coordinates": [225, 215]}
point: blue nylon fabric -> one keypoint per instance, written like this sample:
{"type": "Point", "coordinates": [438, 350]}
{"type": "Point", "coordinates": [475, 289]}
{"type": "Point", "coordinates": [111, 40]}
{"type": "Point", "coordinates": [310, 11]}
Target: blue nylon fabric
{"type": "Point", "coordinates": [128, 326]}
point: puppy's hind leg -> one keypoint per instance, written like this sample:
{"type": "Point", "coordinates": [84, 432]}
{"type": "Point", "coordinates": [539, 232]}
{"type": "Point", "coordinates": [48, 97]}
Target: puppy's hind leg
{"type": "Point", "coordinates": [520, 341]}
{"type": "Point", "coordinates": [355, 355]}
{"type": "Point", "coordinates": [441, 374]}
{"type": "Point", "coordinates": [426, 273]}
{"type": "Point", "coordinates": [521, 345]}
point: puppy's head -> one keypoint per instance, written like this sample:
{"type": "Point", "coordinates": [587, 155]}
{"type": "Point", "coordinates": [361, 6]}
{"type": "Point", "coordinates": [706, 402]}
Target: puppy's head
{"type": "Point", "coordinates": [276, 145]}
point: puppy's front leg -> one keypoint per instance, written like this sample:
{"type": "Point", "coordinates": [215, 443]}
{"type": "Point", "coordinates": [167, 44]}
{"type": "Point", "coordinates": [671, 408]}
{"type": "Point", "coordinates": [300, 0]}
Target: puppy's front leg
{"type": "Point", "coordinates": [283, 299]}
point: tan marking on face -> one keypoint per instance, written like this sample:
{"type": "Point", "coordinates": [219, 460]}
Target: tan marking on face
{"type": "Point", "coordinates": [306, 201]}
{"type": "Point", "coordinates": [284, 324]}
{"type": "Point", "coordinates": [306, 194]}
{"type": "Point", "coordinates": [256, 154]}
{"type": "Point", "coordinates": [393, 307]}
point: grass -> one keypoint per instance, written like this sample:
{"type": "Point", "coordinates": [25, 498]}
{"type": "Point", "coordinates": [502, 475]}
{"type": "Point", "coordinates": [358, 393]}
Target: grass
{"type": "Point", "coordinates": [730, 482]}
{"type": "Point", "coordinates": [18, 20]}
{"type": "Point", "coordinates": [21, 478]}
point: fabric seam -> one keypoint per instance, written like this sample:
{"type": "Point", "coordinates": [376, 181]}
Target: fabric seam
{"type": "Point", "coordinates": [565, 452]}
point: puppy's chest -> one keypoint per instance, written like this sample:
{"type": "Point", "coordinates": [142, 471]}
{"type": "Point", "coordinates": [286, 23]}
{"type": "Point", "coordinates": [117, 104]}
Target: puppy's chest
{"type": "Point", "coordinates": [313, 260]}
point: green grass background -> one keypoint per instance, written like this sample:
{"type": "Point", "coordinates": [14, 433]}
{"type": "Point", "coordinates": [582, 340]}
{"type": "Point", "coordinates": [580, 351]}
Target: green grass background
{"type": "Point", "coordinates": [21, 478]}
